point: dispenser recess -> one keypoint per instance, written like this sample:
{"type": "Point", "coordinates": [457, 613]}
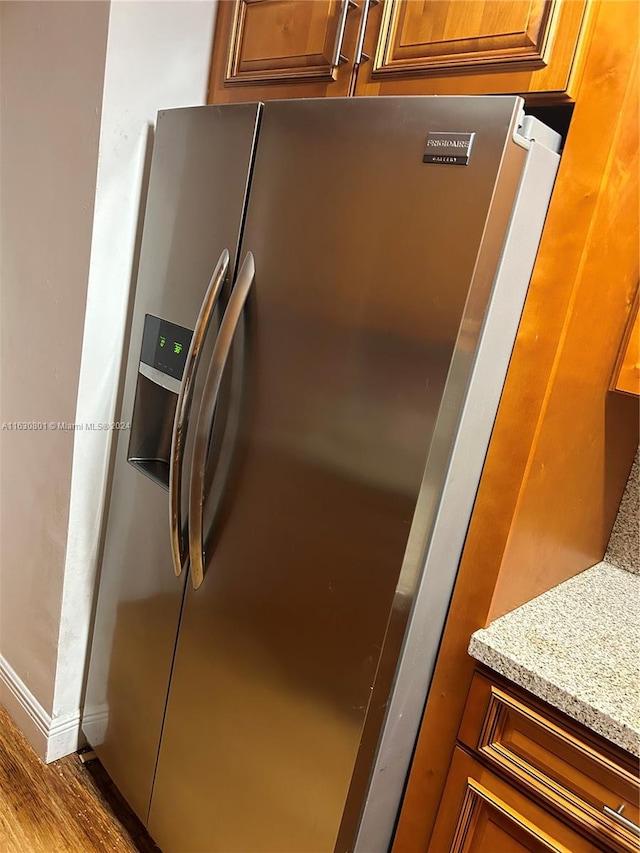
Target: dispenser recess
{"type": "Point", "coordinates": [162, 359]}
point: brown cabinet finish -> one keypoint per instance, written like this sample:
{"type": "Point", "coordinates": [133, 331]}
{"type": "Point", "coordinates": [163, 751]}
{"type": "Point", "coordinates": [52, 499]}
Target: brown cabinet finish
{"type": "Point", "coordinates": [433, 36]}
{"type": "Point", "coordinates": [451, 47]}
{"type": "Point", "coordinates": [481, 813]}
{"type": "Point", "coordinates": [525, 777]}
{"type": "Point", "coordinates": [628, 371]}
{"type": "Point", "coordinates": [303, 38]}
{"type": "Point", "coordinates": [266, 49]}
{"type": "Point", "coordinates": [569, 769]}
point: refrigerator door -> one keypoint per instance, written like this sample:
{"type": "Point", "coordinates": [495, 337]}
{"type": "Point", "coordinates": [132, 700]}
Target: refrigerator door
{"type": "Point", "coordinates": [200, 170]}
{"type": "Point", "coordinates": [364, 261]}
{"type": "Point", "coordinates": [438, 531]}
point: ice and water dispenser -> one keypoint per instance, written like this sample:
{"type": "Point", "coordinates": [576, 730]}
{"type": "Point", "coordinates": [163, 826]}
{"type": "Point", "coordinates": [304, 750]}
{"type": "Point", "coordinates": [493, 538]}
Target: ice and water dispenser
{"type": "Point", "coordinates": [162, 359]}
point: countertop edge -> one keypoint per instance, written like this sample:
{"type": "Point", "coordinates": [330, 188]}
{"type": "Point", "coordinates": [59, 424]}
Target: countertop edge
{"type": "Point", "coordinates": [582, 712]}
{"type": "Point", "coordinates": [577, 648]}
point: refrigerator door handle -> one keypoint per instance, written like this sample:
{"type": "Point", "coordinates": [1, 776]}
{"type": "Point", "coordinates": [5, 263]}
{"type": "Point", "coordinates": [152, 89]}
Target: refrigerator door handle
{"type": "Point", "coordinates": [210, 395]}
{"type": "Point", "coordinates": [183, 408]}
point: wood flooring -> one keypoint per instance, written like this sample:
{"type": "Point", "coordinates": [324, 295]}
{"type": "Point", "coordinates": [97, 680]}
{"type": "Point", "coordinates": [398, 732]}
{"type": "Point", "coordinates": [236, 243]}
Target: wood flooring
{"type": "Point", "coordinates": [64, 807]}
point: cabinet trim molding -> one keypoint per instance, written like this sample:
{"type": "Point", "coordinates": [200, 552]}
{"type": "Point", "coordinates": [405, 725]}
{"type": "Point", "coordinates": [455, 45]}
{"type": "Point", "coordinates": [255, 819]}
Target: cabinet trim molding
{"type": "Point", "coordinates": [320, 68]}
{"type": "Point", "coordinates": [504, 718]}
{"type": "Point", "coordinates": [477, 796]}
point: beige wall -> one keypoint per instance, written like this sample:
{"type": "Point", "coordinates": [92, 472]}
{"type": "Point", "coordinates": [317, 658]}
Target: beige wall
{"type": "Point", "coordinates": [75, 78]}
{"type": "Point", "coordinates": [52, 61]}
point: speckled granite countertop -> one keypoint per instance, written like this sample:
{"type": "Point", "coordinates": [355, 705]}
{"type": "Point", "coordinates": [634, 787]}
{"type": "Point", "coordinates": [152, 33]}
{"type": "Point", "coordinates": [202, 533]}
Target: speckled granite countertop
{"type": "Point", "coordinates": [577, 647]}
{"type": "Point", "coordinates": [624, 545]}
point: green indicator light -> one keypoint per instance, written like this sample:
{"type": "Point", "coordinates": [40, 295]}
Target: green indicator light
{"type": "Point", "coordinates": [163, 340]}
{"type": "Point", "coordinates": [177, 348]}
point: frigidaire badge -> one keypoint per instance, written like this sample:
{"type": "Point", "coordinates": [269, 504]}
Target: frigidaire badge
{"type": "Point", "coordinates": [450, 149]}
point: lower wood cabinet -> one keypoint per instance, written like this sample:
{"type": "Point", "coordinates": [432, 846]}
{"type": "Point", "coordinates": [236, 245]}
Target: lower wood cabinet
{"type": "Point", "coordinates": [481, 813]}
{"type": "Point", "coordinates": [526, 777]}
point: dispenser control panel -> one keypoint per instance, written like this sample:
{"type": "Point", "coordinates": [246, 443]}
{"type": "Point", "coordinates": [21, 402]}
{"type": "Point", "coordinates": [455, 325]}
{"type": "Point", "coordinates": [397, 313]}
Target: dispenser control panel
{"type": "Point", "coordinates": [165, 345]}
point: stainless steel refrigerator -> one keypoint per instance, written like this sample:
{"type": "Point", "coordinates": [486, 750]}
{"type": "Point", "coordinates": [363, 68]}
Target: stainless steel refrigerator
{"type": "Point", "coordinates": [328, 296]}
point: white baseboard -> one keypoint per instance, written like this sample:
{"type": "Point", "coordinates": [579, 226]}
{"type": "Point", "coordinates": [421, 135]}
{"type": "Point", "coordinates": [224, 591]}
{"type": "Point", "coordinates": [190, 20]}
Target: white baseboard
{"type": "Point", "coordinates": [50, 738]}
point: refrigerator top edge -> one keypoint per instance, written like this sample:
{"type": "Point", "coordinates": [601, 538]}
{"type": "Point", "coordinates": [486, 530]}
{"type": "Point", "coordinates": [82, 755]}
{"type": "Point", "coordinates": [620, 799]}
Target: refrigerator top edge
{"type": "Point", "coordinates": [526, 127]}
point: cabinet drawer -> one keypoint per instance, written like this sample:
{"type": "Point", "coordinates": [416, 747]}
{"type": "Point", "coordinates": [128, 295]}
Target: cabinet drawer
{"type": "Point", "coordinates": [560, 762]}
{"type": "Point", "coordinates": [481, 813]}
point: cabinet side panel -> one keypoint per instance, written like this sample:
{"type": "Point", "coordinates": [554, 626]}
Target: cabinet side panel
{"type": "Point", "coordinates": [586, 437]}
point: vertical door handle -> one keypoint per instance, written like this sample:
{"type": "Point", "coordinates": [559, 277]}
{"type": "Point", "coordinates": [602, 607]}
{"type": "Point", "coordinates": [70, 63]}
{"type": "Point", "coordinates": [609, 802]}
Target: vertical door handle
{"type": "Point", "coordinates": [360, 55]}
{"type": "Point", "coordinates": [179, 548]}
{"type": "Point", "coordinates": [210, 394]}
{"type": "Point", "coordinates": [337, 57]}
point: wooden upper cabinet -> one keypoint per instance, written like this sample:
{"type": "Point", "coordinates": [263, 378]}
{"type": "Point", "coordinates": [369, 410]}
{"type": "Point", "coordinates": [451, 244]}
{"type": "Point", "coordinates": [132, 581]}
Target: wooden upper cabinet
{"type": "Point", "coordinates": [472, 47]}
{"type": "Point", "coordinates": [265, 49]}
{"type": "Point", "coordinates": [268, 49]}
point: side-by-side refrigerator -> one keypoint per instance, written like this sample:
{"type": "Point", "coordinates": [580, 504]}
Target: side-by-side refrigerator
{"type": "Point", "coordinates": [328, 296]}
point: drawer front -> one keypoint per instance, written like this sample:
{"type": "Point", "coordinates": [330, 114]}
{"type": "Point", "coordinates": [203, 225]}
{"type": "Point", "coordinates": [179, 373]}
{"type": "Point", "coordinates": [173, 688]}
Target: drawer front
{"type": "Point", "coordinates": [555, 760]}
{"type": "Point", "coordinates": [481, 813]}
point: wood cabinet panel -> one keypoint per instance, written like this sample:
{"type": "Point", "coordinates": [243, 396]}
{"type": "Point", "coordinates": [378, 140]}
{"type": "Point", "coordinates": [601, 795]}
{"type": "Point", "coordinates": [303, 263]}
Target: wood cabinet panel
{"type": "Point", "coordinates": [473, 47]}
{"type": "Point", "coordinates": [265, 49]}
{"type": "Point", "coordinates": [559, 762]}
{"type": "Point", "coordinates": [480, 813]}
{"type": "Point", "coordinates": [436, 35]}
{"type": "Point", "coordinates": [628, 372]}
{"type": "Point", "coordinates": [289, 41]}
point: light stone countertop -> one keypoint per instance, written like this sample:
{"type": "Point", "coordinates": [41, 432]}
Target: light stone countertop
{"type": "Point", "coordinates": [576, 647]}
{"type": "Point", "coordinates": [624, 545]}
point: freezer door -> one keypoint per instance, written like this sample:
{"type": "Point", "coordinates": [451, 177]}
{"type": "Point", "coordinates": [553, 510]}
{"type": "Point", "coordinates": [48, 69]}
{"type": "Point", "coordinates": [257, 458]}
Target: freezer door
{"type": "Point", "coordinates": [364, 261]}
{"type": "Point", "coordinates": [195, 209]}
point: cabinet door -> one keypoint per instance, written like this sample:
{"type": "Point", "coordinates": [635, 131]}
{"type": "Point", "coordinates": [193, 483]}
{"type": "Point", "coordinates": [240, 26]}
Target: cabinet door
{"type": "Point", "coordinates": [480, 813]}
{"type": "Point", "coordinates": [265, 49]}
{"type": "Point", "coordinates": [472, 47]}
